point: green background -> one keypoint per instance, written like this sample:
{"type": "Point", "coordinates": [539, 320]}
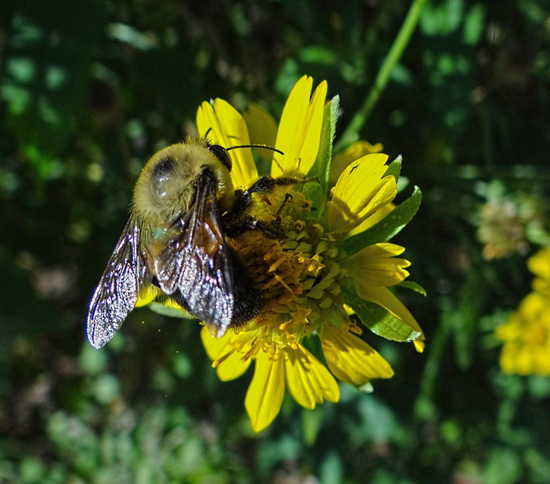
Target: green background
{"type": "Point", "coordinates": [89, 90]}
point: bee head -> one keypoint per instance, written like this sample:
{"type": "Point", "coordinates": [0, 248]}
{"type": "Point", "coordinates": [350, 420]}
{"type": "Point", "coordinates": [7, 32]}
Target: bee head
{"type": "Point", "coordinates": [167, 184]}
{"type": "Point", "coordinates": [221, 154]}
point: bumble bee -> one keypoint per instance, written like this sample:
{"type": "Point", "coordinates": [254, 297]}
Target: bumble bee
{"type": "Point", "coordinates": [184, 206]}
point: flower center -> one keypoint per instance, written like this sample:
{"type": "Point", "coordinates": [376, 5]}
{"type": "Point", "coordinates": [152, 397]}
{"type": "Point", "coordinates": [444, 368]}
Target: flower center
{"type": "Point", "coordinates": [299, 273]}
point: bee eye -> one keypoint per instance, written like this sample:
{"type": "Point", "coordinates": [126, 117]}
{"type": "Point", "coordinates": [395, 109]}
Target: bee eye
{"type": "Point", "coordinates": [221, 154]}
{"type": "Point", "coordinates": [162, 173]}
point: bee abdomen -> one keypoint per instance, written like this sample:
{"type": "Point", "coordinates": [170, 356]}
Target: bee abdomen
{"type": "Point", "coordinates": [248, 301]}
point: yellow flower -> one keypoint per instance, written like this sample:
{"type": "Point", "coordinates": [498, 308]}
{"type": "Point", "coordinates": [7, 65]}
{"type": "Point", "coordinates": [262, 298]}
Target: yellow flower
{"type": "Point", "coordinates": [526, 335]}
{"type": "Point", "coordinates": [319, 267]}
{"type": "Point", "coordinates": [539, 265]}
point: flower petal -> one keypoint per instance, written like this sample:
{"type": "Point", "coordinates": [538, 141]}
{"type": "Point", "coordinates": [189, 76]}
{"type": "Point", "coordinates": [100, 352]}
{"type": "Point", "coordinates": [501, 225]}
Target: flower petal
{"type": "Point", "coordinates": [308, 380]}
{"type": "Point", "coordinates": [372, 219]}
{"type": "Point", "coordinates": [385, 298]}
{"type": "Point", "coordinates": [299, 131]}
{"type": "Point", "coordinates": [233, 366]}
{"type": "Point", "coordinates": [148, 295]}
{"type": "Point", "coordinates": [230, 364]}
{"type": "Point", "coordinates": [214, 347]}
{"type": "Point", "coordinates": [262, 128]}
{"type": "Point", "coordinates": [376, 265]}
{"type": "Point", "coordinates": [228, 128]}
{"type": "Point", "coordinates": [539, 264]}
{"type": "Point", "coordinates": [350, 358]}
{"type": "Point", "coordinates": [360, 191]}
{"type": "Point", "coordinates": [526, 337]}
{"type": "Point", "coordinates": [265, 393]}
{"type": "Point", "coordinates": [351, 153]}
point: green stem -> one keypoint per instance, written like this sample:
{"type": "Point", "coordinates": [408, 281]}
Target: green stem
{"type": "Point", "coordinates": [350, 134]}
{"type": "Point", "coordinates": [424, 407]}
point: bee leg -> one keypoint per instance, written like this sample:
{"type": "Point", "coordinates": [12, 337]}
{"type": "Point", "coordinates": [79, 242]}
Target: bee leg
{"type": "Point", "coordinates": [277, 222]}
{"type": "Point", "coordinates": [265, 184]}
{"type": "Point", "coordinates": [248, 222]}
{"type": "Point", "coordinates": [236, 221]}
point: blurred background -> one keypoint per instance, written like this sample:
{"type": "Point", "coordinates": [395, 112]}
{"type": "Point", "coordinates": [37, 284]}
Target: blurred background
{"type": "Point", "coordinates": [89, 90]}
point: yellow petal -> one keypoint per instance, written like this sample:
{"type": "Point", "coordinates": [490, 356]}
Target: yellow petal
{"type": "Point", "coordinates": [376, 265]}
{"type": "Point", "coordinates": [539, 264]}
{"type": "Point", "coordinates": [351, 153]}
{"type": "Point", "coordinates": [508, 359]}
{"type": "Point", "coordinates": [309, 382]}
{"type": "Point", "coordinates": [226, 127]}
{"type": "Point", "coordinates": [230, 364]}
{"type": "Point", "coordinates": [299, 131]}
{"type": "Point", "coordinates": [265, 393]}
{"type": "Point", "coordinates": [541, 285]}
{"type": "Point", "coordinates": [385, 298]}
{"type": "Point", "coordinates": [215, 347]}
{"type": "Point", "coordinates": [360, 191]}
{"type": "Point", "coordinates": [233, 366]}
{"type": "Point", "coordinates": [513, 329]}
{"type": "Point", "coordinates": [147, 295]}
{"type": "Point", "coordinates": [262, 128]}
{"type": "Point", "coordinates": [351, 359]}
{"type": "Point", "coordinates": [373, 219]}
{"type": "Point", "coordinates": [516, 359]}
{"type": "Point", "coordinates": [527, 337]}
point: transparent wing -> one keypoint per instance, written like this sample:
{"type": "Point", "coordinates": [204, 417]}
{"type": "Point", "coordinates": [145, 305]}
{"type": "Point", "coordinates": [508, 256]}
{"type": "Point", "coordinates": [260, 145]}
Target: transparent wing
{"type": "Point", "coordinates": [117, 291]}
{"type": "Point", "coordinates": [195, 268]}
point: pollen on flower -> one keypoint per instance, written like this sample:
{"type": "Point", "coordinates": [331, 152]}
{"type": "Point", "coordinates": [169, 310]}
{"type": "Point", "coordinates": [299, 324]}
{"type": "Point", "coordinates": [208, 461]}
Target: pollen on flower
{"type": "Point", "coordinates": [299, 273]}
{"type": "Point", "coordinates": [221, 359]}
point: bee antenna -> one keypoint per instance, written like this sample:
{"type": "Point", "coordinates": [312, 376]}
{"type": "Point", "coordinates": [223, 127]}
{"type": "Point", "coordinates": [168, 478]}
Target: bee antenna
{"type": "Point", "coordinates": [265, 147]}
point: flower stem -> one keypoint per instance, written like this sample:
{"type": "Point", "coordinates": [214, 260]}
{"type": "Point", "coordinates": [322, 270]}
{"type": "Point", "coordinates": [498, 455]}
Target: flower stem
{"type": "Point", "coordinates": [350, 134]}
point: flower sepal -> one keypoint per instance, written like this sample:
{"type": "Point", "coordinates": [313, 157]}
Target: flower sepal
{"type": "Point", "coordinates": [317, 193]}
{"type": "Point", "coordinates": [381, 321]}
{"type": "Point", "coordinates": [170, 309]}
{"type": "Point", "coordinates": [413, 286]}
{"type": "Point", "coordinates": [394, 168]}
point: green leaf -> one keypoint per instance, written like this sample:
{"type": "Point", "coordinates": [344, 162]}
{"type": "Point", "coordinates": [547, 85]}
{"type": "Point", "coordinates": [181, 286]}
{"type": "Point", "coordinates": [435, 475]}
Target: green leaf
{"type": "Point", "coordinates": [379, 320]}
{"type": "Point", "coordinates": [317, 192]}
{"type": "Point", "coordinates": [386, 228]}
{"type": "Point", "coordinates": [413, 286]}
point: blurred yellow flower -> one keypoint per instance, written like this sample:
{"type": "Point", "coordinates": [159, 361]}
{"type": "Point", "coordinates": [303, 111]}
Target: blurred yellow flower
{"type": "Point", "coordinates": [539, 265]}
{"type": "Point", "coordinates": [526, 335]}
{"type": "Point", "coordinates": [308, 276]}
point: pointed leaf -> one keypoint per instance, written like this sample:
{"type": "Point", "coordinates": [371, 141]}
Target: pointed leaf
{"type": "Point", "coordinates": [317, 192]}
{"type": "Point", "coordinates": [413, 286]}
{"type": "Point", "coordinates": [379, 320]}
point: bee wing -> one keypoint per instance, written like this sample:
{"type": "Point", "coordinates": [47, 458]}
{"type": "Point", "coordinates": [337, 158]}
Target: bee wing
{"type": "Point", "coordinates": [195, 267]}
{"type": "Point", "coordinates": [117, 291]}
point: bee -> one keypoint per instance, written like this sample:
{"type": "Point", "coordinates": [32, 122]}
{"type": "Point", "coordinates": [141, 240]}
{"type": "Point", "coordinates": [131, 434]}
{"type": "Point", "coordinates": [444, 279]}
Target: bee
{"type": "Point", "coordinates": [184, 206]}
